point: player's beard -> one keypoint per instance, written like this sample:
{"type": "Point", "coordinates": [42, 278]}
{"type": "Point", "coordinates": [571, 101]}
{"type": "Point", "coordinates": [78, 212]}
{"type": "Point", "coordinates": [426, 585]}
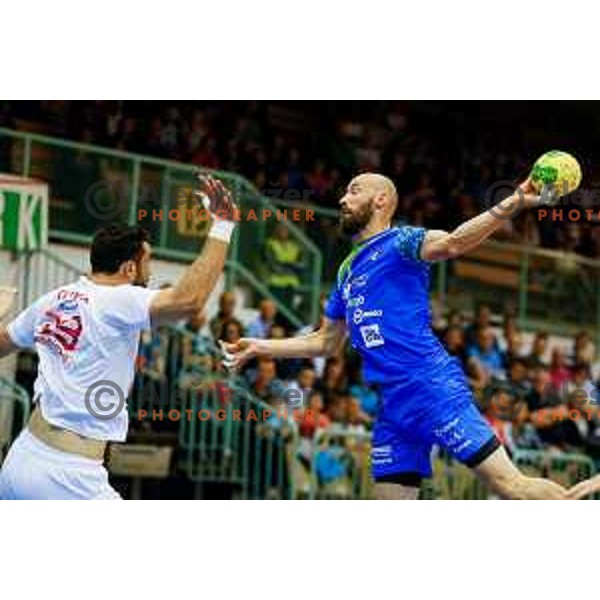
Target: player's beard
{"type": "Point", "coordinates": [141, 280]}
{"type": "Point", "coordinates": [354, 222]}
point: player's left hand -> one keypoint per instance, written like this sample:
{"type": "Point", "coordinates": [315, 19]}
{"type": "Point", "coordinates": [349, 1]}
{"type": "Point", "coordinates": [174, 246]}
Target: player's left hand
{"type": "Point", "coordinates": [527, 194]}
{"type": "Point", "coordinates": [237, 354]}
{"type": "Point", "coordinates": [215, 197]}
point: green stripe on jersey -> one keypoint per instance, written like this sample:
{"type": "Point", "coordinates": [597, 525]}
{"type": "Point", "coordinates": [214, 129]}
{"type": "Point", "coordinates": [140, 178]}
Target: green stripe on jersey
{"type": "Point", "coordinates": [346, 264]}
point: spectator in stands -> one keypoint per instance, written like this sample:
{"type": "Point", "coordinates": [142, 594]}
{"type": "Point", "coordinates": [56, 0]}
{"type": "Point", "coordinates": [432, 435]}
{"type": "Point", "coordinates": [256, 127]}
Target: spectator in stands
{"type": "Point", "coordinates": [357, 420]}
{"type": "Point", "coordinates": [509, 325]}
{"type": "Point", "coordinates": [287, 368]}
{"type": "Point", "coordinates": [333, 382]}
{"type": "Point", "coordinates": [283, 256]}
{"type": "Point", "coordinates": [277, 332]}
{"type": "Point", "coordinates": [156, 365]}
{"type": "Point", "coordinates": [582, 384]}
{"type": "Point", "coordinates": [152, 352]}
{"type": "Point", "coordinates": [515, 349]}
{"type": "Point", "coordinates": [231, 331]}
{"type": "Point", "coordinates": [499, 409]}
{"type": "Point", "coordinates": [207, 156]}
{"type": "Point", "coordinates": [478, 378]}
{"type": "Point", "coordinates": [485, 352]}
{"type": "Point", "coordinates": [198, 351]}
{"type": "Point", "coordinates": [304, 384]}
{"type": "Point", "coordinates": [537, 358]}
{"type": "Point", "coordinates": [260, 327]}
{"type": "Point", "coordinates": [264, 382]}
{"type": "Point", "coordinates": [336, 408]}
{"type": "Point", "coordinates": [559, 371]}
{"type": "Point", "coordinates": [367, 397]}
{"type": "Point", "coordinates": [318, 180]}
{"type": "Point", "coordinates": [456, 319]}
{"type": "Point", "coordinates": [584, 351]}
{"type": "Point", "coordinates": [196, 329]}
{"type": "Point", "coordinates": [454, 340]}
{"type": "Point", "coordinates": [517, 377]}
{"type": "Point", "coordinates": [314, 417]}
{"type": "Point", "coordinates": [549, 413]}
{"type": "Point", "coordinates": [227, 305]}
{"type": "Point", "coordinates": [483, 320]}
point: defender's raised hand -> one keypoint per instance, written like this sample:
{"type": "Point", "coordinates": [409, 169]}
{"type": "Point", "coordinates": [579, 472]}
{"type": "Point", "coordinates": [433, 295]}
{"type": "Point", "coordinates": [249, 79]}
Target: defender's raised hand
{"type": "Point", "coordinates": [215, 197]}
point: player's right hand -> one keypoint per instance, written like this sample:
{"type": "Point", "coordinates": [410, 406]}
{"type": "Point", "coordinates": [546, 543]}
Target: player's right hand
{"type": "Point", "coordinates": [237, 354]}
{"type": "Point", "coordinates": [215, 197]}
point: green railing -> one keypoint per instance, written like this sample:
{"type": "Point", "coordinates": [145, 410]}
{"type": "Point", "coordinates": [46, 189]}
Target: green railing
{"type": "Point", "coordinates": [225, 435]}
{"type": "Point", "coordinates": [91, 186]}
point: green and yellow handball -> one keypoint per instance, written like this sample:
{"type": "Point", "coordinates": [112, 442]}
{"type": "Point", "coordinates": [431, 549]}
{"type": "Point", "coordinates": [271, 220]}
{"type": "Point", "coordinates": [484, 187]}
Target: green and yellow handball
{"type": "Point", "coordinates": [555, 174]}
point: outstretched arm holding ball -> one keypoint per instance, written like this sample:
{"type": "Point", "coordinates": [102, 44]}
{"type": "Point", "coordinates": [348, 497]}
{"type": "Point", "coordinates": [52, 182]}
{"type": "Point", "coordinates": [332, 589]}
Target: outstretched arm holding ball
{"type": "Point", "coordinates": [443, 245]}
{"type": "Point", "coordinates": [554, 174]}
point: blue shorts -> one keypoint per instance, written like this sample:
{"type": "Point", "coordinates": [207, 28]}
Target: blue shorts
{"type": "Point", "coordinates": [433, 408]}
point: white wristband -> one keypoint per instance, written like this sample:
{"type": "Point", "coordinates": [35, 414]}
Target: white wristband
{"type": "Point", "coordinates": [221, 230]}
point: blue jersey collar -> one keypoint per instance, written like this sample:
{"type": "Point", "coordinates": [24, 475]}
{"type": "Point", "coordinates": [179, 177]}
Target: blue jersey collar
{"type": "Point", "coordinates": [374, 238]}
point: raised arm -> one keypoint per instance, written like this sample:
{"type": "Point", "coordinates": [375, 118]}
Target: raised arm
{"type": "Point", "coordinates": [324, 342]}
{"type": "Point", "coordinates": [190, 294]}
{"type": "Point", "coordinates": [443, 245]}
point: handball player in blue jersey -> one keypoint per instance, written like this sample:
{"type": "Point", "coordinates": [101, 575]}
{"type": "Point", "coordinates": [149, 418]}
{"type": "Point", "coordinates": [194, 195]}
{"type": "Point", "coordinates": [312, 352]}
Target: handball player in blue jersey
{"type": "Point", "coordinates": [381, 298]}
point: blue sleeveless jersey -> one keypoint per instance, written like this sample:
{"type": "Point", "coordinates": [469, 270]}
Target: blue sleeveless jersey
{"type": "Point", "coordinates": [382, 292]}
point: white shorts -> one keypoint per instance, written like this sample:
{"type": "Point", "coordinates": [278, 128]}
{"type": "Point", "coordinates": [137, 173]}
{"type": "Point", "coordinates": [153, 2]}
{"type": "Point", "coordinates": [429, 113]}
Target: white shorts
{"type": "Point", "coordinates": [35, 471]}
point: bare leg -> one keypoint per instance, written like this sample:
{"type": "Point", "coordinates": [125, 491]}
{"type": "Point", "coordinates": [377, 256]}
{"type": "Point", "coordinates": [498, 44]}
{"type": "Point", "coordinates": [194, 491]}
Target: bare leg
{"type": "Point", "coordinates": [395, 491]}
{"type": "Point", "coordinates": [504, 479]}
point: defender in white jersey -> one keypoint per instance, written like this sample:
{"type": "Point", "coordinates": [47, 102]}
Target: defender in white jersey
{"type": "Point", "coordinates": [86, 336]}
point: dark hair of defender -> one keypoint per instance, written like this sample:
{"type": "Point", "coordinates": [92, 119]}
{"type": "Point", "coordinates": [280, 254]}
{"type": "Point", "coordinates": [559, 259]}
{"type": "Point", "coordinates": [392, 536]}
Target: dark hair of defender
{"type": "Point", "coordinates": [114, 245]}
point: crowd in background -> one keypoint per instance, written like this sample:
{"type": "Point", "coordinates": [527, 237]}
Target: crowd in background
{"type": "Point", "coordinates": [444, 158]}
{"type": "Point", "coordinates": [536, 391]}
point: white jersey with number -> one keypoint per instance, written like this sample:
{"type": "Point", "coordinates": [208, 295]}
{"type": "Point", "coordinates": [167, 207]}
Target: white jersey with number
{"type": "Point", "coordinates": [87, 337]}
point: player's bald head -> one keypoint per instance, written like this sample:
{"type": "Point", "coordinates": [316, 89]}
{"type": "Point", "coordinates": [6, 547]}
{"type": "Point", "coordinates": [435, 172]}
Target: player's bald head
{"type": "Point", "coordinates": [369, 203]}
{"type": "Point", "coordinates": [381, 186]}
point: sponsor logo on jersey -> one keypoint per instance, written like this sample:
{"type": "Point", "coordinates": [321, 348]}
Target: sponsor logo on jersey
{"type": "Point", "coordinates": [346, 291]}
{"type": "Point", "coordinates": [360, 314]}
{"type": "Point", "coordinates": [371, 336]}
{"type": "Point", "coordinates": [358, 301]}
{"type": "Point", "coordinates": [359, 281]}
{"type": "Point", "coordinates": [69, 305]}
{"type": "Point", "coordinates": [381, 455]}
{"type": "Point", "coordinates": [375, 255]}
